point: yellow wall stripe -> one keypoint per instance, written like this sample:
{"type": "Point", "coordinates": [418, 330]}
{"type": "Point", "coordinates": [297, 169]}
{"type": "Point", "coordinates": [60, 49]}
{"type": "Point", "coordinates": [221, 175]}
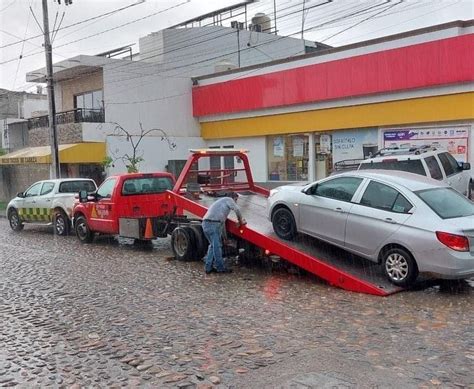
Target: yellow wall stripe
{"type": "Point", "coordinates": [420, 110]}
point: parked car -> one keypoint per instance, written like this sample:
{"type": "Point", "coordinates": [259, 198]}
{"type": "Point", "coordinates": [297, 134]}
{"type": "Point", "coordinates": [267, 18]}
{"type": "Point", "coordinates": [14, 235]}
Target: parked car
{"type": "Point", "coordinates": [408, 223]}
{"type": "Point", "coordinates": [47, 202]}
{"type": "Point", "coordinates": [426, 161]}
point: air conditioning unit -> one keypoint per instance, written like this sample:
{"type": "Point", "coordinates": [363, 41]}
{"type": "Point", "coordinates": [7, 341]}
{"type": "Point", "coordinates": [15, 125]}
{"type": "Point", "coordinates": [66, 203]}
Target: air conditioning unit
{"type": "Point", "coordinates": [255, 27]}
{"type": "Point", "coordinates": [237, 25]}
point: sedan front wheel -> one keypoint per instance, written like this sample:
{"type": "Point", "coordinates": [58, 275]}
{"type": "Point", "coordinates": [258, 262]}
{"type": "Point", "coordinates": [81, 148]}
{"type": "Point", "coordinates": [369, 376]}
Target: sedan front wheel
{"type": "Point", "coordinates": [400, 267]}
{"type": "Point", "coordinates": [284, 224]}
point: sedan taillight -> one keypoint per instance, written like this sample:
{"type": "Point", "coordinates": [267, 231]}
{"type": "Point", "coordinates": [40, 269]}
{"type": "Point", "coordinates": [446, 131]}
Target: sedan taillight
{"type": "Point", "coordinates": [455, 242]}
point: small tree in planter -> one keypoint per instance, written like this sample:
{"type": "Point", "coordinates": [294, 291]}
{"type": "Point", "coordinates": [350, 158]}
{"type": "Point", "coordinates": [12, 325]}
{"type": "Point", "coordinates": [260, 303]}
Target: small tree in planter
{"type": "Point", "coordinates": [133, 160]}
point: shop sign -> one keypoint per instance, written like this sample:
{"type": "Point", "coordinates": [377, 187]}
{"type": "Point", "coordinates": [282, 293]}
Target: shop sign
{"type": "Point", "coordinates": [353, 144]}
{"type": "Point", "coordinates": [18, 160]}
{"type": "Point", "coordinates": [453, 139]}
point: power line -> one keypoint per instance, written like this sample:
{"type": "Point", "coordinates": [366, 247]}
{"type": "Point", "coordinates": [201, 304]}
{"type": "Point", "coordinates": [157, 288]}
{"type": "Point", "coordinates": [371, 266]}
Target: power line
{"type": "Point", "coordinates": [75, 24]}
{"type": "Point", "coordinates": [364, 20]}
{"type": "Point", "coordinates": [22, 47]}
{"type": "Point", "coordinates": [8, 6]}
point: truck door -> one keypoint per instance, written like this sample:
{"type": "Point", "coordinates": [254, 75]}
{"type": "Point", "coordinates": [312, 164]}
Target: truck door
{"type": "Point", "coordinates": [44, 202]}
{"type": "Point", "coordinates": [103, 211]}
{"type": "Point", "coordinates": [27, 208]}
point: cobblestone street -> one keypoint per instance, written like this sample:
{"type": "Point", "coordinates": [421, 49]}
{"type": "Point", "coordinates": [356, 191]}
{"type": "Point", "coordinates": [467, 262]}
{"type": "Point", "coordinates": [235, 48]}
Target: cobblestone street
{"type": "Point", "coordinates": [115, 315]}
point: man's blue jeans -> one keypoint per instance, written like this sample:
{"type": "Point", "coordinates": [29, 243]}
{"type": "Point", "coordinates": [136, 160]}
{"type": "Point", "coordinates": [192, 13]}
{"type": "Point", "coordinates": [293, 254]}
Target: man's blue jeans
{"type": "Point", "coordinates": [213, 233]}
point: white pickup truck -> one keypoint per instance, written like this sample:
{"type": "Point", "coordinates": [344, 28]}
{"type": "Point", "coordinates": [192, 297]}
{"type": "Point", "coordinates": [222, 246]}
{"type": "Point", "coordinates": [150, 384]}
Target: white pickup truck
{"type": "Point", "coordinates": [431, 162]}
{"type": "Point", "coordinates": [47, 202]}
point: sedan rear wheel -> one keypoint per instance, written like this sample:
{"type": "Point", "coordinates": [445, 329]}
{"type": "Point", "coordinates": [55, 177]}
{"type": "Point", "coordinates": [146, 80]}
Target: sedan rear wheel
{"type": "Point", "coordinates": [400, 267]}
{"type": "Point", "coordinates": [284, 224]}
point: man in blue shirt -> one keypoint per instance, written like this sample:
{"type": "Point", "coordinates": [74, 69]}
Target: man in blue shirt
{"type": "Point", "coordinates": [212, 225]}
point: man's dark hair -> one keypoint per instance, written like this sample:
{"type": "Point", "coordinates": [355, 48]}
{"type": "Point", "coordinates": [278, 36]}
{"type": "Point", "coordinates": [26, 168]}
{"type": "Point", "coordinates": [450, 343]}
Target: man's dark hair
{"type": "Point", "coordinates": [233, 195]}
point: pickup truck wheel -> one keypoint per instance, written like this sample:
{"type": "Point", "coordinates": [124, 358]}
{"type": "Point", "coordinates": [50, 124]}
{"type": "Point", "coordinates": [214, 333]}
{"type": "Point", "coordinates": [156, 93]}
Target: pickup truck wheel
{"type": "Point", "coordinates": [182, 244]}
{"type": "Point", "coordinates": [284, 224]}
{"type": "Point", "coordinates": [14, 219]}
{"type": "Point", "coordinates": [399, 267]}
{"type": "Point", "coordinates": [83, 232]}
{"type": "Point", "coordinates": [61, 223]}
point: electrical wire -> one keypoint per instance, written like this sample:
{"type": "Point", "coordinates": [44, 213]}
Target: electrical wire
{"type": "Point", "coordinates": [77, 23]}
{"type": "Point", "coordinates": [22, 48]}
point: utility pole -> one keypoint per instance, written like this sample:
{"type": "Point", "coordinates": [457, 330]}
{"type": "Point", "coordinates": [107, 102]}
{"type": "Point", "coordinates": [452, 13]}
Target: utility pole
{"type": "Point", "coordinates": [48, 50]}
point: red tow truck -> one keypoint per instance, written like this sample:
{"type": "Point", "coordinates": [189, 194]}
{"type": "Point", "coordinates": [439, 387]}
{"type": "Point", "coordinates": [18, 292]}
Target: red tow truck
{"type": "Point", "coordinates": [176, 208]}
{"type": "Point", "coordinates": [129, 205]}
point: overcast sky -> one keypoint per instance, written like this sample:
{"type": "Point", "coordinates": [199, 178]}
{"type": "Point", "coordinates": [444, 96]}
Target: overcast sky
{"type": "Point", "coordinates": [335, 23]}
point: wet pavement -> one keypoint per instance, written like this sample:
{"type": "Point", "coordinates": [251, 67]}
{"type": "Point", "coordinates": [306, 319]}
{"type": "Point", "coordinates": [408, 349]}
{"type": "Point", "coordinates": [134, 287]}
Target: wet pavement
{"type": "Point", "coordinates": [116, 315]}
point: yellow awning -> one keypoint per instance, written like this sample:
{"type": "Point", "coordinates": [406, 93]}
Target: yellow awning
{"type": "Point", "coordinates": [87, 152]}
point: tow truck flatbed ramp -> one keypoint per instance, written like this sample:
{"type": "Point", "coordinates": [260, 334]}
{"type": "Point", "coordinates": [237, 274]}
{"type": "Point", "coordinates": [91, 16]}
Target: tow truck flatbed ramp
{"type": "Point", "coordinates": [336, 266]}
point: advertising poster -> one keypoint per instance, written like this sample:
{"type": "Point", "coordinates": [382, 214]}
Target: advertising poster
{"type": "Point", "coordinates": [354, 144]}
{"type": "Point", "coordinates": [325, 144]}
{"type": "Point", "coordinates": [453, 139]}
{"type": "Point", "coordinates": [298, 147]}
{"type": "Point", "coordinates": [278, 147]}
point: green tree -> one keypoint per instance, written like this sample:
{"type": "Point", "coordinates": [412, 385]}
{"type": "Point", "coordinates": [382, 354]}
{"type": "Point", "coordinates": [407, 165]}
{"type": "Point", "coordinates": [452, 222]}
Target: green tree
{"type": "Point", "coordinates": [133, 159]}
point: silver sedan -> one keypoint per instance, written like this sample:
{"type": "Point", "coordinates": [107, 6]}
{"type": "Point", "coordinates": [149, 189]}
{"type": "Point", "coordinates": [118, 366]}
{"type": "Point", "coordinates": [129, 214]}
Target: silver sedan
{"type": "Point", "coordinates": [408, 223]}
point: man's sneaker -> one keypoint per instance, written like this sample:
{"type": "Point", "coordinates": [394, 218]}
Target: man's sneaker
{"type": "Point", "coordinates": [225, 271]}
{"type": "Point", "coordinates": [211, 271]}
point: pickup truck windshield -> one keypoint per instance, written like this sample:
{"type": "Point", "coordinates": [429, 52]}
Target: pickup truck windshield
{"type": "Point", "coordinates": [146, 185]}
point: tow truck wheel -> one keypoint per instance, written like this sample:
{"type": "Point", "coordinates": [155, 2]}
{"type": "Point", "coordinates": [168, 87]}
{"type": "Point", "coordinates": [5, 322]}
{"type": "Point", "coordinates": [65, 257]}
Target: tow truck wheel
{"type": "Point", "coordinates": [284, 224]}
{"type": "Point", "coordinates": [14, 219]}
{"type": "Point", "coordinates": [83, 232]}
{"type": "Point", "coordinates": [200, 241]}
{"type": "Point", "coordinates": [182, 243]}
{"type": "Point", "coordinates": [61, 223]}
{"type": "Point", "coordinates": [399, 266]}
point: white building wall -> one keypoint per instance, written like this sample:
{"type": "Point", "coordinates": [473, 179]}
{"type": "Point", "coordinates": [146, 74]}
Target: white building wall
{"type": "Point", "coordinates": [196, 51]}
{"type": "Point", "coordinates": [257, 153]}
{"type": "Point", "coordinates": [35, 107]}
{"type": "Point", "coordinates": [134, 95]}
{"type": "Point", "coordinates": [155, 151]}
{"type": "Point", "coordinates": [96, 132]}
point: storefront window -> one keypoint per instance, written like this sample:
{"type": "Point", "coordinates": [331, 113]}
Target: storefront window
{"type": "Point", "coordinates": [288, 157]}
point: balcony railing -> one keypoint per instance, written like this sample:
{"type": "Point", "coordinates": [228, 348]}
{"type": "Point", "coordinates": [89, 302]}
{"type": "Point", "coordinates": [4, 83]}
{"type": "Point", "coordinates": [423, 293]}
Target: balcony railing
{"type": "Point", "coordinates": [78, 115]}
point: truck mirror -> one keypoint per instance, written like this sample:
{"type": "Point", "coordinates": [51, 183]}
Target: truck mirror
{"type": "Point", "coordinates": [83, 196]}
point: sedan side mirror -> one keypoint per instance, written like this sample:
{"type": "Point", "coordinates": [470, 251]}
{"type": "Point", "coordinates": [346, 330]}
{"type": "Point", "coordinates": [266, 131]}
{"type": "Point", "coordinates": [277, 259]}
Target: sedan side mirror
{"type": "Point", "coordinates": [465, 165]}
{"type": "Point", "coordinates": [310, 190]}
{"type": "Point", "coordinates": [20, 194]}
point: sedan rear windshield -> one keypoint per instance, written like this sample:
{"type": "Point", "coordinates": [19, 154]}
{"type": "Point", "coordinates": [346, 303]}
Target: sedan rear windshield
{"type": "Point", "coordinates": [447, 203]}
{"type": "Point", "coordinates": [146, 185]}
{"type": "Point", "coordinates": [408, 165]}
{"type": "Point", "coordinates": [77, 186]}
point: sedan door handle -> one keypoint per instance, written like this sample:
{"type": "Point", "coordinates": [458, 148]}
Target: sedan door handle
{"type": "Point", "coordinates": [340, 210]}
{"type": "Point", "coordinates": [48, 200]}
{"type": "Point", "coordinates": [390, 220]}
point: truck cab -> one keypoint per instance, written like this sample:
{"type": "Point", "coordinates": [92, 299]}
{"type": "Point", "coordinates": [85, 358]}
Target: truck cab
{"type": "Point", "coordinates": [123, 205]}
